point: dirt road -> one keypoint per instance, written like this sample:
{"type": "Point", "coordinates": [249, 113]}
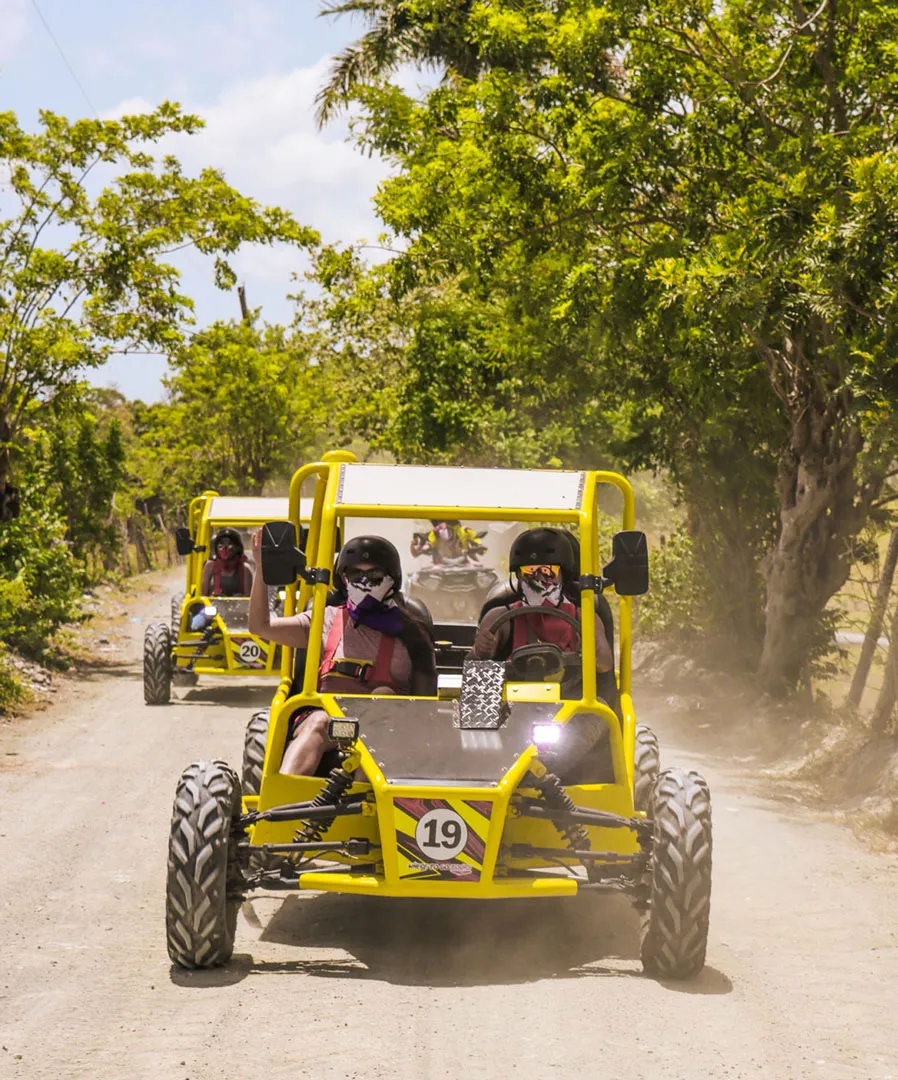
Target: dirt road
{"type": "Point", "coordinates": [802, 975]}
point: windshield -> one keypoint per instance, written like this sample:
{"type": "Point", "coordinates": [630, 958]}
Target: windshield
{"type": "Point", "coordinates": [451, 565]}
{"type": "Point", "coordinates": [233, 611]}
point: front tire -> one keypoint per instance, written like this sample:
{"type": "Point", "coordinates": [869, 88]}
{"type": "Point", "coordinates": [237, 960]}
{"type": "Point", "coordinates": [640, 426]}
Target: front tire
{"type": "Point", "coordinates": [646, 766]}
{"type": "Point", "coordinates": [675, 927]}
{"type": "Point", "coordinates": [254, 745]}
{"type": "Point", "coordinates": [203, 889]}
{"type": "Point", "coordinates": [157, 664]}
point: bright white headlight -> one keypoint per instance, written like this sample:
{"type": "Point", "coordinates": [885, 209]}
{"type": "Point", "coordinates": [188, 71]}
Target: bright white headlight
{"type": "Point", "coordinates": [210, 611]}
{"type": "Point", "coordinates": [545, 734]}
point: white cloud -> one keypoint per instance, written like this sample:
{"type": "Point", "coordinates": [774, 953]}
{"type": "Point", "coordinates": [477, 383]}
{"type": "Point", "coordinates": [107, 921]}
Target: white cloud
{"type": "Point", "coordinates": [262, 134]}
{"type": "Point", "coordinates": [13, 26]}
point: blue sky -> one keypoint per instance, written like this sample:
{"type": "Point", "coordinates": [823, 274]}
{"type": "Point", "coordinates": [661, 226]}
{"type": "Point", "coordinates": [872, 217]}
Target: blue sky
{"type": "Point", "coordinates": [251, 69]}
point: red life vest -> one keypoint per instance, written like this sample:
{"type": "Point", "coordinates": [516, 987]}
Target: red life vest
{"type": "Point", "coordinates": [227, 568]}
{"type": "Point", "coordinates": [535, 628]}
{"type": "Point", "coordinates": [373, 675]}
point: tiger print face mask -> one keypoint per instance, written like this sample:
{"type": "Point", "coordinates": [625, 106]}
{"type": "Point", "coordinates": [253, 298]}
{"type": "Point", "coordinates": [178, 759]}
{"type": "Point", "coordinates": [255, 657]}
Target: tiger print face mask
{"type": "Point", "coordinates": [541, 585]}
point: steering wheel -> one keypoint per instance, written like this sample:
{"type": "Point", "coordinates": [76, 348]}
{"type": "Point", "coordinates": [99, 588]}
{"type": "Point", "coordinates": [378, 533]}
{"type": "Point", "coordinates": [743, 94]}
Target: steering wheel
{"type": "Point", "coordinates": [541, 660]}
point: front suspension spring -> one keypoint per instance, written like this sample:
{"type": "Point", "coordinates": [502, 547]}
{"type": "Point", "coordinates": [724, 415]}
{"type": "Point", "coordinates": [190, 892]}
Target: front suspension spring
{"type": "Point", "coordinates": [339, 781]}
{"type": "Point", "coordinates": [556, 798]}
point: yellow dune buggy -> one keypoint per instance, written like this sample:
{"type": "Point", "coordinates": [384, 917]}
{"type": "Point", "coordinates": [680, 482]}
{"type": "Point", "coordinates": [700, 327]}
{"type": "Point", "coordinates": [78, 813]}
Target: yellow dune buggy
{"type": "Point", "coordinates": [210, 635]}
{"type": "Point", "coordinates": [482, 792]}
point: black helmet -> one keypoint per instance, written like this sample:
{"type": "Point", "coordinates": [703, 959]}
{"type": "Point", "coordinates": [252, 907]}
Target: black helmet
{"type": "Point", "coordinates": [227, 534]}
{"type": "Point", "coordinates": [549, 546]}
{"type": "Point", "coordinates": [444, 521]}
{"type": "Point", "coordinates": [374, 550]}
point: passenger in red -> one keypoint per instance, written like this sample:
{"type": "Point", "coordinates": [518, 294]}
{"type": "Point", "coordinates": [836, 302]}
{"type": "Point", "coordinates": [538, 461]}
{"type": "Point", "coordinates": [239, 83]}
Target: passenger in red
{"type": "Point", "coordinates": [371, 642]}
{"type": "Point", "coordinates": [227, 573]}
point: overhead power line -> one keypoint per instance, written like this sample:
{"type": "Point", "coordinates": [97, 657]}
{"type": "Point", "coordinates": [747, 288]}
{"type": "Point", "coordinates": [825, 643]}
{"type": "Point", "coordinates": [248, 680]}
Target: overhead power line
{"type": "Point", "coordinates": [64, 58]}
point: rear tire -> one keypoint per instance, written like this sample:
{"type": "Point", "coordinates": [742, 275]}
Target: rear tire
{"type": "Point", "coordinates": [176, 601]}
{"type": "Point", "coordinates": [157, 664]}
{"type": "Point", "coordinates": [254, 752]}
{"type": "Point", "coordinates": [203, 889]}
{"type": "Point", "coordinates": [675, 927]}
{"type": "Point", "coordinates": [646, 766]}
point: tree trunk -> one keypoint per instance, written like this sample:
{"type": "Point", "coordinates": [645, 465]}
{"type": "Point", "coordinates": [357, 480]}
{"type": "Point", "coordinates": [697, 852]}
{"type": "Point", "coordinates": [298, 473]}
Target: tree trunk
{"type": "Point", "coordinates": [823, 506]}
{"type": "Point", "coordinates": [5, 449]}
{"type": "Point", "coordinates": [874, 629]}
{"type": "Point", "coordinates": [888, 695]}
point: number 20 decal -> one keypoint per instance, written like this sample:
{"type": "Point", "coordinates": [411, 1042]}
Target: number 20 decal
{"type": "Point", "coordinates": [249, 652]}
{"type": "Point", "coordinates": [441, 834]}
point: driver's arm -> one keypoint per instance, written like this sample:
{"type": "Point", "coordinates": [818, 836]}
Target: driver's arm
{"type": "Point", "coordinates": [246, 580]}
{"type": "Point", "coordinates": [487, 644]}
{"type": "Point", "coordinates": [206, 581]}
{"type": "Point", "coordinates": [604, 656]}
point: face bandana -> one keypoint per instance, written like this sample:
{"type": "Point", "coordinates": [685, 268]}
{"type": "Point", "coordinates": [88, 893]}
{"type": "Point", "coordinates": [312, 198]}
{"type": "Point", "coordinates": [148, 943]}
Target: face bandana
{"type": "Point", "coordinates": [541, 586]}
{"type": "Point", "coordinates": [367, 603]}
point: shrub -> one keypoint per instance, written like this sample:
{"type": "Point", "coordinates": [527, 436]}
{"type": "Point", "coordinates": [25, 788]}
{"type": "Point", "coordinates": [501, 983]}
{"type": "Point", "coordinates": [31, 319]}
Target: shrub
{"type": "Point", "coordinates": [676, 603]}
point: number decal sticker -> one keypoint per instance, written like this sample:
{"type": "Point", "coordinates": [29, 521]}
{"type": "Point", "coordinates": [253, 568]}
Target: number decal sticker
{"type": "Point", "coordinates": [441, 839]}
{"type": "Point", "coordinates": [441, 834]}
{"type": "Point", "coordinates": [250, 652]}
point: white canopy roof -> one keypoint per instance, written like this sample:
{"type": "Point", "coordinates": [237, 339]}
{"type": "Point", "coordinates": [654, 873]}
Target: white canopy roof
{"type": "Point", "coordinates": [441, 487]}
{"type": "Point", "coordinates": [234, 509]}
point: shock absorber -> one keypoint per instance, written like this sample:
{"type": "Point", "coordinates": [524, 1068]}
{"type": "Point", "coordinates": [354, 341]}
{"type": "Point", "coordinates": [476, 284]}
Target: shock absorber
{"type": "Point", "coordinates": [339, 781]}
{"type": "Point", "coordinates": [556, 798]}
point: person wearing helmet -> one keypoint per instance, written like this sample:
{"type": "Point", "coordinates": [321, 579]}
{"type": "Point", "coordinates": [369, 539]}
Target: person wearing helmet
{"type": "Point", "coordinates": [544, 565]}
{"type": "Point", "coordinates": [227, 573]}
{"type": "Point", "coordinates": [371, 642]}
{"type": "Point", "coordinates": [448, 539]}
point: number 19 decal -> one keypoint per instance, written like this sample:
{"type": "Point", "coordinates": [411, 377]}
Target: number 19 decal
{"type": "Point", "coordinates": [441, 834]}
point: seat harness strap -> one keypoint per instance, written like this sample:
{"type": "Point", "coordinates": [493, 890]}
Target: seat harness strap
{"type": "Point", "coordinates": [366, 672]}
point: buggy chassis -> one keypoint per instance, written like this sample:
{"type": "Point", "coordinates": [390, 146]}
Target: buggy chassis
{"type": "Point", "coordinates": [224, 646]}
{"type": "Point", "coordinates": [460, 796]}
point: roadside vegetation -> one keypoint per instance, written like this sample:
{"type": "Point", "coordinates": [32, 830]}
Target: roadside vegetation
{"type": "Point", "coordinates": [659, 235]}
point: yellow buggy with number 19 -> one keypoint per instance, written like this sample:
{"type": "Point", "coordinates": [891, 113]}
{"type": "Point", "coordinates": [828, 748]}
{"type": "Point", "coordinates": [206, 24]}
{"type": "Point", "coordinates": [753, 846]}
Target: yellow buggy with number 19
{"type": "Point", "coordinates": [484, 791]}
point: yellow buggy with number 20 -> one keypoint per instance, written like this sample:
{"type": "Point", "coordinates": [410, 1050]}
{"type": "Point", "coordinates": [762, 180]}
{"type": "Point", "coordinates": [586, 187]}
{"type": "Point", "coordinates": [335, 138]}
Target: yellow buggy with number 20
{"type": "Point", "coordinates": [209, 634]}
{"type": "Point", "coordinates": [506, 784]}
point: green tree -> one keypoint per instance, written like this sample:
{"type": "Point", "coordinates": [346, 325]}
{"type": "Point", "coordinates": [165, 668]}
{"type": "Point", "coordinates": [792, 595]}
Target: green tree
{"type": "Point", "coordinates": [428, 33]}
{"type": "Point", "coordinates": [83, 270]}
{"type": "Point", "coordinates": [246, 407]}
{"type": "Point", "coordinates": [40, 577]}
{"type": "Point", "coordinates": [88, 467]}
{"type": "Point", "coordinates": [689, 212]}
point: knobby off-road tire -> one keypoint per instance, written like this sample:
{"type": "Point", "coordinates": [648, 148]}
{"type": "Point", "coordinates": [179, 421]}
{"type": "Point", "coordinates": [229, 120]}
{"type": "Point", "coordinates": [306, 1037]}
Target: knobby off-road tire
{"type": "Point", "coordinates": [253, 759]}
{"type": "Point", "coordinates": [254, 752]}
{"type": "Point", "coordinates": [202, 895]}
{"type": "Point", "coordinates": [157, 664]}
{"type": "Point", "coordinates": [675, 927]}
{"type": "Point", "coordinates": [646, 766]}
{"type": "Point", "coordinates": [176, 601]}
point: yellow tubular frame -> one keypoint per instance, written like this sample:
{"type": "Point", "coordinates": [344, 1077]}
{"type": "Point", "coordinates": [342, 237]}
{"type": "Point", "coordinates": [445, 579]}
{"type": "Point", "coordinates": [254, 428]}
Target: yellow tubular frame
{"type": "Point", "coordinates": [223, 659]}
{"type": "Point", "coordinates": [380, 826]}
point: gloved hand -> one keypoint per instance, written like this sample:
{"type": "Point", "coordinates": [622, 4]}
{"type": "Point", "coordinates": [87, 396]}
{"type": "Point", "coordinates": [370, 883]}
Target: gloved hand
{"type": "Point", "coordinates": [486, 644]}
